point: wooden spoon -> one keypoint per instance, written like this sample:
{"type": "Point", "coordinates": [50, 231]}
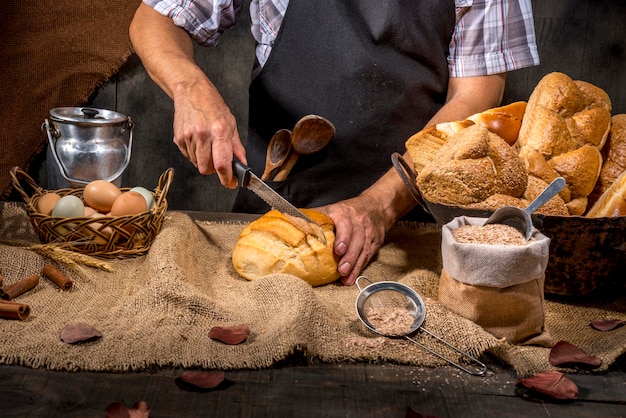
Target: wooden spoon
{"type": "Point", "coordinates": [277, 152]}
{"type": "Point", "coordinates": [310, 134]}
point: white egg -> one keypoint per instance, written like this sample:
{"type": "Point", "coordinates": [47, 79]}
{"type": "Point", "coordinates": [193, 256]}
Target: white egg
{"type": "Point", "coordinates": [147, 194]}
{"type": "Point", "coordinates": [69, 207]}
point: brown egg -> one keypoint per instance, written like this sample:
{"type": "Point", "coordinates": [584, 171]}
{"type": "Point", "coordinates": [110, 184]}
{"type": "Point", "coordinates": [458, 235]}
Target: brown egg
{"type": "Point", "coordinates": [101, 194]}
{"type": "Point", "coordinates": [46, 203]}
{"type": "Point", "coordinates": [89, 211]}
{"type": "Point", "coordinates": [96, 226]}
{"type": "Point", "coordinates": [129, 203]}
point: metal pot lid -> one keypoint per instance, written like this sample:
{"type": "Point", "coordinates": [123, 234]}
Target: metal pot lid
{"type": "Point", "coordinates": [87, 114]}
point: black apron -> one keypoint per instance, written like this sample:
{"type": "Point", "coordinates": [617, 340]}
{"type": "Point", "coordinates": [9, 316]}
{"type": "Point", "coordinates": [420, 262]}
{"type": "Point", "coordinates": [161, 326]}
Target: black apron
{"type": "Point", "coordinates": [377, 69]}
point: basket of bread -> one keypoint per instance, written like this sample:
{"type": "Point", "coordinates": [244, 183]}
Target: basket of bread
{"type": "Point", "coordinates": [506, 156]}
{"type": "Point", "coordinates": [99, 219]}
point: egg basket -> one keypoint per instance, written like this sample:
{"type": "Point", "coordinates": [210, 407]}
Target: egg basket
{"type": "Point", "coordinates": [106, 236]}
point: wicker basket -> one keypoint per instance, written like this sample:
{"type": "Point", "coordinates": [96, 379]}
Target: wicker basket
{"type": "Point", "coordinates": [108, 236]}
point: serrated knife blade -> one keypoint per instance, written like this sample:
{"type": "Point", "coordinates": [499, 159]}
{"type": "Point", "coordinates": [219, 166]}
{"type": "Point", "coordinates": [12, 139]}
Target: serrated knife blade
{"type": "Point", "coordinates": [252, 182]}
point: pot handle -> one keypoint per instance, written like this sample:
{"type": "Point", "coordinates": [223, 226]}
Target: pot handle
{"type": "Point", "coordinates": [409, 178]}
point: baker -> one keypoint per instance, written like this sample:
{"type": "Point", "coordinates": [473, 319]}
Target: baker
{"type": "Point", "coordinates": [380, 71]}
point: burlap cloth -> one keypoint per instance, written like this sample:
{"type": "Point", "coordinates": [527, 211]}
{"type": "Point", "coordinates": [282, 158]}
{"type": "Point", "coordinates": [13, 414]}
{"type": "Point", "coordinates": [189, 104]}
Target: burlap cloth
{"type": "Point", "coordinates": [53, 53]}
{"type": "Point", "coordinates": [157, 310]}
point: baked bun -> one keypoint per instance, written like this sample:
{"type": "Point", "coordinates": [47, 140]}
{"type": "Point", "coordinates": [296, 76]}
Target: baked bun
{"type": "Point", "coordinates": [505, 121]}
{"type": "Point", "coordinates": [614, 156]}
{"type": "Point", "coordinates": [278, 243]}
{"type": "Point", "coordinates": [565, 125]}
{"type": "Point", "coordinates": [612, 203]}
{"type": "Point", "coordinates": [555, 206]}
{"type": "Point", "coordinates": [471, 166]}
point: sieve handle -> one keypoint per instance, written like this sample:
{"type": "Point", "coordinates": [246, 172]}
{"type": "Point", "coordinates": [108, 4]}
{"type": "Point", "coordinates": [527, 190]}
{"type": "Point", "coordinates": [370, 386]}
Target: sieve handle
{"type": "Point", "coordinates": [361, 278]}
{"type": "Point", "coordinates": [481, 368]}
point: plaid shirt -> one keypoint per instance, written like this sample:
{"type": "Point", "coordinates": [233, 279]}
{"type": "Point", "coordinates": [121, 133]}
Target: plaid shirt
{"type": "Point", "coordinates": [490, 37]}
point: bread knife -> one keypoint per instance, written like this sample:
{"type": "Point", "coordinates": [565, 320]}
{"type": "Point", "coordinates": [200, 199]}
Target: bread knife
{"type": "Point", "coordinates": [252, 182]}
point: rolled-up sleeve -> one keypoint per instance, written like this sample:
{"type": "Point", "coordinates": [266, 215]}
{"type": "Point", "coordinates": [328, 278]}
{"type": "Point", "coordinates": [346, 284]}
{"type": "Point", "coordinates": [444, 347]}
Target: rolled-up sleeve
{"type": "Point", "coordinates": [204, 20]}
{"type": "Point", "coordinates": [491, 37]}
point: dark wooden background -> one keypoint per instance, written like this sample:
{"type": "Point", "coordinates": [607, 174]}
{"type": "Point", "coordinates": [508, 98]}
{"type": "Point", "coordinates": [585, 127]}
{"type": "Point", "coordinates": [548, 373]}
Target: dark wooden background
{"type": "Point", "coordinates": [582, 38]}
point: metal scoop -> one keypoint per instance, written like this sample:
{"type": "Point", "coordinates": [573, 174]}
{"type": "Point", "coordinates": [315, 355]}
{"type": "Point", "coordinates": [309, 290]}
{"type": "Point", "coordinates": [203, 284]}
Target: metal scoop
{"type": "Point", "coordinates": [397, 297]}
{"type": "Point", "coordinates": [520, 218]}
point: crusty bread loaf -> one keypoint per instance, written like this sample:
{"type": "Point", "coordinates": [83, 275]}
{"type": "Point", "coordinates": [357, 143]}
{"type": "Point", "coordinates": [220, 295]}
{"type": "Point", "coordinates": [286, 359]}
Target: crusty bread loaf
{"type": "Point", "coordinates": [471, 166]}
{"type": "Point", "coordinates": [277, 243]}
{"type": "Point", "coordinates": [565, 125]}
{"type": "Point", "coordinates": [612, 202]}
{"type": "Point", "coordinates": [614, 156]}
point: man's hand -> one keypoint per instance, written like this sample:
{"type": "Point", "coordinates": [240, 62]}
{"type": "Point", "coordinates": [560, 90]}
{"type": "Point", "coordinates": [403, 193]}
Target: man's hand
{"type": "Point", "coordinates": [359, 234]}
{"type": "Point", "coordinates": [205, 132]}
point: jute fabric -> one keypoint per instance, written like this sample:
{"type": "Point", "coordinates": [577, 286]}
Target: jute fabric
{"type": "Point", "coordinates": [54, 54]}
{"type": "Point", "coordinates": [157, 310]}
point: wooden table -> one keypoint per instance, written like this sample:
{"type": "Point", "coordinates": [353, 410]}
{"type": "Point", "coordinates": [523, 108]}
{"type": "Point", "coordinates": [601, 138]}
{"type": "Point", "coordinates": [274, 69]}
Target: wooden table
{"type": "Point", "coordinates": [300, 390]}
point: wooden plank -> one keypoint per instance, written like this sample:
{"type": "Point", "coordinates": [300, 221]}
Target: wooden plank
{"type": "Point", "coordinates": [329, 390]}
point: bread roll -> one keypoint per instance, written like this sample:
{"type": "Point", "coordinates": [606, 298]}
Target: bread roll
{"type": "Point", "coordinates": [555, 206]}
{"type": "Point", "coordinates": [614, 154]}
{"type": "Point", "coordinates": [565, 125]}
{"type": "Point", "coordinates": [580, 169]}
{"type": "Point", "coordinates": [612, 202]}
{"type": "Point", "coordinates": [423, 146]}
{"type": "Point", "coordinates": [277, 243]}
{"type": "Point", "coordinates": [471, 166]}
{"type": "Point", "coordinates": [505, 121]}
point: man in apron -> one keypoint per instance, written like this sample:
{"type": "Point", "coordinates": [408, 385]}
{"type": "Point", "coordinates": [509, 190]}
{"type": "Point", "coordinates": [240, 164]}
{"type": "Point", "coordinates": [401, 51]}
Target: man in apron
{"type": "Point", "coordinates": [380, 71]}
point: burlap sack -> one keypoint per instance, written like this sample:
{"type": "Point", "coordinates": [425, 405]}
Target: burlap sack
{"type": "Point", "coordinates": [499, 287]}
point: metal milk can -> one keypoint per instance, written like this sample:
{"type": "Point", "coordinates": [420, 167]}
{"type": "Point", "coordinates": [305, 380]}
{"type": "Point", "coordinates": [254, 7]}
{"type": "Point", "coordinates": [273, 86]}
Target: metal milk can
{"type": "Point", "coordinates": [87, 144]}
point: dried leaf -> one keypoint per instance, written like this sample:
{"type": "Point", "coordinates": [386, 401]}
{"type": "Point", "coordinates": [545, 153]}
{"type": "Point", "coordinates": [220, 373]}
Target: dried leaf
{"type": "Point", "coordinates": [410, 413]}
{"type": "Point", "coordinates": [230, 335]}
{"type": "Point", "coordinates": [551, 383]}
{"type": "Point", "coordinates": [200, 380]}
{"type": "Point", "coordinates": [607, 324]}
{"type": "Point", "coordinates": [564, 353]}
{"type": "Point", "coordinates": [118, 410]}
{"type": "Point", "coordinates": [78, 333]}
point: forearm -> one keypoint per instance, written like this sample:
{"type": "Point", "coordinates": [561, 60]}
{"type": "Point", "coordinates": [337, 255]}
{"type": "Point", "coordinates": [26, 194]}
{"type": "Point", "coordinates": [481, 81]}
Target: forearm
{"type": "Point", "coordinates": [465, 97]}
{"type": "Point", "coordinates": [166, 52]}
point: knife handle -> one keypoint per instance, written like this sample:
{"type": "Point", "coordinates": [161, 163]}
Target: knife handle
{"type": "Point", "coordinates": [241, 172]}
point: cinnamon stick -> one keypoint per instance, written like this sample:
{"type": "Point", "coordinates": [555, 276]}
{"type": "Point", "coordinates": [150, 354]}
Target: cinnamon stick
{"type": "Point", "coordinates": [18, 288]}
{"type": "Point", "coordinates": [14, 310]}
{"type": "Point", "coordinates": [56, 276]}
{"type": "Point", "coordinates": [1, 278]}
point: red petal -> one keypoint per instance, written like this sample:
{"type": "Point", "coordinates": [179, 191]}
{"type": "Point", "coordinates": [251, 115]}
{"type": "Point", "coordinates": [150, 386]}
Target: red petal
{"type": "Point", "coordinates": [230, 335]}
{"type": "Point", "coordinates": [203, 380]}
{"type": "Point", "coordinates": [76, 333]}
{"type": "Point", "coordinates": [551, 383]}
{"type": "Point", "coordinates": [118, 410]}
{"type": "Point", "coordinates": [607, 324]}
{"type": "Point", "coordinates": [565, 353]}
{"type": "Point", "coordinates": [410, 413]}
